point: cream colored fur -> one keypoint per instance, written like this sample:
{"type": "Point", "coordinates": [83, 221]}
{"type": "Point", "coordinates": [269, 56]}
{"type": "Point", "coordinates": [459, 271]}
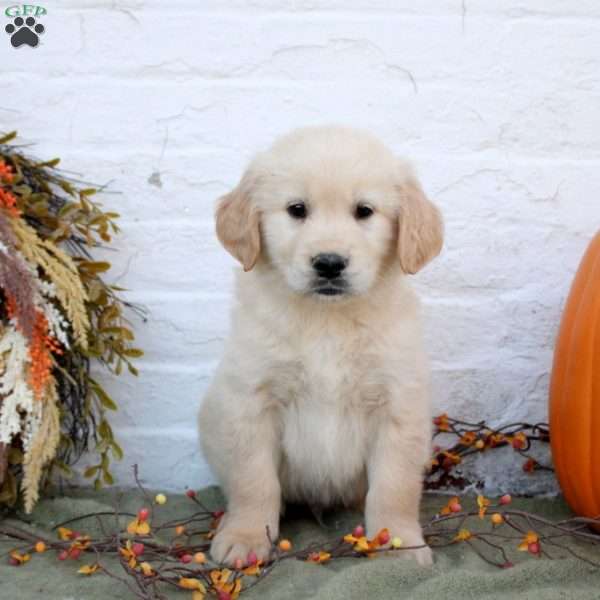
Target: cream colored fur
{"type": "Point", "coordinates": [322, 399]}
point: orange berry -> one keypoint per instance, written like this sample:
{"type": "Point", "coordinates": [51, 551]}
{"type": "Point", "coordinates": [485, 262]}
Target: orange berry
{"type": "Point", "coordinates": [179, 530]}
{"type": "Point", "coordinates": [200, 557]}
{"type": "Point", "coordinates": [497, 519]}
{"type": "Point", "coordinates": [285, 545]}
{"type": "Point", "coordinates": [40, 547]}
{"type": "Point", "coordinates": [506, 499]}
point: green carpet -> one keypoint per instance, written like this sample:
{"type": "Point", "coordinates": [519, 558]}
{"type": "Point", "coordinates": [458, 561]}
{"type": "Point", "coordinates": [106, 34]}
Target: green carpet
{"type": "Point", "coordinates": [458, 573]}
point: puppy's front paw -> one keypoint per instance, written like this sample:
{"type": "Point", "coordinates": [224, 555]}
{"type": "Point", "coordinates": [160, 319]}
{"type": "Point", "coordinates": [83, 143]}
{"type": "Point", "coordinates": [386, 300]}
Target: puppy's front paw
{"type": "Point", "coordinates": [232, 544]}
{"type": "Point", "coordinates": [411, 536]}
{"type": "Point", "coordinates": [423, 556]}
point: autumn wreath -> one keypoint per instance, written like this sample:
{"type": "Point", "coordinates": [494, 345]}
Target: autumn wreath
{"type": "Point", "coordinates": [56, 316]}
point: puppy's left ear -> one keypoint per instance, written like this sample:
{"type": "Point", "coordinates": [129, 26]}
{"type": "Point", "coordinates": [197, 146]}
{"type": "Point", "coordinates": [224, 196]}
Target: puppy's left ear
{"type": "Point", "coordinates": [420, 230]}
{"type": "Point", "coordinates": [238, 222]}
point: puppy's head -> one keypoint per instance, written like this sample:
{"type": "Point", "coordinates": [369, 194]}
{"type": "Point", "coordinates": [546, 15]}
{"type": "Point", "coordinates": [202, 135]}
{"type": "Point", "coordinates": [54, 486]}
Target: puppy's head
{"type": "Point", "coordinates": [329, 209]}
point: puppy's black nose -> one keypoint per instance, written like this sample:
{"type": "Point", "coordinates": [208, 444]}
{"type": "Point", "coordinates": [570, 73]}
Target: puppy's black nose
{"type": "Point", "coordinates": [329, 264]}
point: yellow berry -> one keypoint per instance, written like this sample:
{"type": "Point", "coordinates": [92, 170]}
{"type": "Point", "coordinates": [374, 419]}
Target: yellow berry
{"type": "Point", "coordinates": [285, 545]}
{"type": "Point", "coordinates": [160, 499]}
{"type": "Point", "coordinates": [479, 444]}
{"type": "Point", "coordinates": [497, 519]}
{"type": "Point", "coordinates": [40, 547]}
{"type": "Point", "coordinates": [179, 530]}
{"type": "Point", "coordinates": [396, 542]}
{"type": "Point", "coordinates": [200, 557]}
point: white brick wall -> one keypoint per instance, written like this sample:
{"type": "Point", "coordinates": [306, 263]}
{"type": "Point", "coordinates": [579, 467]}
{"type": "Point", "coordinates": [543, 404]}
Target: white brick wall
{"type": "Point", "coordinates": [497, 102]}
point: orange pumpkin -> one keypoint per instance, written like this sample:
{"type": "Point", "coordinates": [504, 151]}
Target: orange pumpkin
{"type": "Point", "coordinates": [575, 390]}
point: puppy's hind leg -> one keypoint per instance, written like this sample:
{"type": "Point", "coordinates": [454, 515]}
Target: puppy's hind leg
{"type": "Point", "coordinates": [242, 451]}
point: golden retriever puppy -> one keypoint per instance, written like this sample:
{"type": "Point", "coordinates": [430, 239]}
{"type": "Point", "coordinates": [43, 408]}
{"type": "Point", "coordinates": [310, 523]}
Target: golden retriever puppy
{"type": "Point", "coordinates": [322, 393]}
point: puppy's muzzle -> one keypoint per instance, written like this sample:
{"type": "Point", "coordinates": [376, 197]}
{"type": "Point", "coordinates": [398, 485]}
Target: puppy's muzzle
{"type": "Point", "coordinates": [329, 268]}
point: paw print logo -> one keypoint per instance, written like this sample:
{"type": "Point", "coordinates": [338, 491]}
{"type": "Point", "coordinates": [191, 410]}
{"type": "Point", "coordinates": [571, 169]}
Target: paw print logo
{"type": "Point", "coordinates": [24, 32]}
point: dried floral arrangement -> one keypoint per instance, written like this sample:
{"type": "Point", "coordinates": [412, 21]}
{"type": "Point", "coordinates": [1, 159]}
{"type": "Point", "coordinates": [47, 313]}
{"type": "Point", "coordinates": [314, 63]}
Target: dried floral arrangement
{"type": "Point", "coordinates": [156, 555]}
{"type": "Point", "coordinates": [56, 315]}
{"type": "Point", "coordinates": [470, 439]}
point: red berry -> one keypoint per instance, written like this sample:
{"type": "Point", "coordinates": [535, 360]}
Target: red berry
{"type": "Point", "coordinates": [74, 553]}
{"type": "Point", "coordinates": [507, 565]}
{"type": "Point", "coordinates": [383, 537]}
{"type": "Point", "coordinates": [13, 562]}
{"type": "Point", "coordinates": [137, 548]}
{"type": "Point", "coordinates": [218, 513]}
{"type": "Point", "coordinates": [251, 559]}
{"type": "Point", "coordinates": [534, 548]}
{"type": "Point", "coordinates": [455, 507]}
{"type": "Point", "coordinates": [359, 531]}
{"type": "Point", "coordinates": [222, 595]}
{"type": "Point", "coordinates": [190, 494]}
{"type": "Point", "coordinates": [76, 534]}
{"type": "Point", "coordinates": [143, 514]}
{"type": "Point", "coordinates": [506, 499]}
{"type": "Point", "coordinates": [186, 558]}
{"type": "Point", "coordinates": [63, 555]}
{"type": "Point", "coordinates": [238, 564]}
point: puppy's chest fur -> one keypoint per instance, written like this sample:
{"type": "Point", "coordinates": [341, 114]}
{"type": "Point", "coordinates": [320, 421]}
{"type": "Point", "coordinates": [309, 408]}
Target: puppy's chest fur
{"type": "Point", "coordinates": [327, 397]}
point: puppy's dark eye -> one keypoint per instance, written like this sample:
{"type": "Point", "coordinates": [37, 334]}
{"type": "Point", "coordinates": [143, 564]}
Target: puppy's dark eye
{"type": "Point", "coordinates": [297, 210]}
{"type": "Point", "coordinates": [363, 211]}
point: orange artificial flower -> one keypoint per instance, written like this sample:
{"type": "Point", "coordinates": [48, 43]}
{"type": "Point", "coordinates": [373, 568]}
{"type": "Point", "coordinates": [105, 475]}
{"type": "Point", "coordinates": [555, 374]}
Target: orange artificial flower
{"type": "Point", "coordinates": [442, 422]}
{"type": "Point", "coordinates": [452, 506]}
{"type": "Point", "coordinates": [19, 558]}
{"type": "Point", "coordinates": [129, 555]}
{"type": "Point", "coordinates": [253, 569]}
{"type": "Point", "coordinates": [9, 202]}
{"type": "Point", "coordinates": [146, 569]}
{"type": "Point", "coordinates": [6, 172]}
{"type": "Point", "coordinates": [531, 537]}
{"type": "Point", "coordinates": [65, 534]}
{"type": "Point", "coordinates": [319, 557]}
{"type": "Point", "coordinates": [483, 504]}
{"type": "Point", "coordinates": [450, 459]}
{"type": "Point", "coordinates": [221, 583]}
{"type": "Point", "coordinates": [468, 438]}
{"type": "Point", "coordinates": [89, 569]}
{"type": "Point", "coordinates": [190, 583]}
{"type": "Point", "coordinates": [40, 350]}
{"type": "Point", "coordinates": [137, 527]}
{"type": "Point", "coordinates": [519, 441]}
{"type": "Point", "coordinates": [463, 535]}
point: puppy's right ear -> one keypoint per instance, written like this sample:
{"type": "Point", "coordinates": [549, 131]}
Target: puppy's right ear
{"type": "Point", "coordinates": [238, 222]}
